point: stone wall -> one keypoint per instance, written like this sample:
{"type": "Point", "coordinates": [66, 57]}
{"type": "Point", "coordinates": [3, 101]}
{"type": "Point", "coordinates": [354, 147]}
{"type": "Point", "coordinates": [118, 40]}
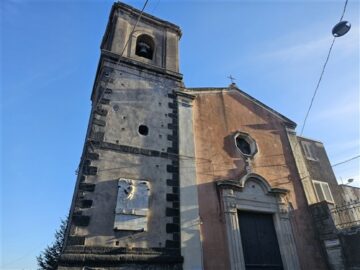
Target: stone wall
{"type": "Point", "coordinates": [218, 115]}
{"type": "Point", "coordinates": [132, 139]}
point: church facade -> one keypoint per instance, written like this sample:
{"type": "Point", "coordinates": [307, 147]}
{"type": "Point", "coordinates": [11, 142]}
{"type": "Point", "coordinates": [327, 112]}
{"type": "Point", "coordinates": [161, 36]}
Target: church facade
{"type": "Point", "coordinates": [182, 178]}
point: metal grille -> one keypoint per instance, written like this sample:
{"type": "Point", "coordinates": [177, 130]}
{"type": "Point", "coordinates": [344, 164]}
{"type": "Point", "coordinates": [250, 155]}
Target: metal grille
{"type": "Point", "coordinates": [347, 215]}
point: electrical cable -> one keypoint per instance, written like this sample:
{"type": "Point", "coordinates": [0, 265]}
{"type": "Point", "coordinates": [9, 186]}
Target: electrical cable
{"type": "Point", "coordinates": [321, 75]}
{"type": "Point", "coordinates": [133, 30]}
{"type": "Point", "coordinates": [345, 161]}
{"type": "Point", "coordinates": [343, 13]}
{"type": "Point", "coordinates": [317, 87]}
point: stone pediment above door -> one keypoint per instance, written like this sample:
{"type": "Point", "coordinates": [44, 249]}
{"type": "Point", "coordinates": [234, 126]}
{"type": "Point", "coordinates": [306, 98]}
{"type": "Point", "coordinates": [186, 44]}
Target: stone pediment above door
{"type": "Point", "coordinates": [253, 194]}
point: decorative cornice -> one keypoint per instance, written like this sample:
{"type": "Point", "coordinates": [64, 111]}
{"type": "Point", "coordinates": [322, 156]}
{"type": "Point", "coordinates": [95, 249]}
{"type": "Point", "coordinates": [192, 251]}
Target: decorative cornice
{"type": "Point", "coordinates": [184, 95]}
{"type": "Point", "coordinates": [145, 16]}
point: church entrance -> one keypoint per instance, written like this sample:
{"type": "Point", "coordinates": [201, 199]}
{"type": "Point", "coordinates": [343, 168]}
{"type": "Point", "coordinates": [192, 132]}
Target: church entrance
{"type": "Point", "coordinates": [259, 241]}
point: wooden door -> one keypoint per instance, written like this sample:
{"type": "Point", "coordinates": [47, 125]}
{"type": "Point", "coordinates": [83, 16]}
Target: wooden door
{"type": "Point", "coordinates": [259, 241]}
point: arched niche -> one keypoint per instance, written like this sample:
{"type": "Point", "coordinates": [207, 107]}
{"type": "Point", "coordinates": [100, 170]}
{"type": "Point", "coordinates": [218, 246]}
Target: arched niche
{"type": "Point", "coordinates": [145, 46]}
{"type": "Point", "coordinates": [252, 193]}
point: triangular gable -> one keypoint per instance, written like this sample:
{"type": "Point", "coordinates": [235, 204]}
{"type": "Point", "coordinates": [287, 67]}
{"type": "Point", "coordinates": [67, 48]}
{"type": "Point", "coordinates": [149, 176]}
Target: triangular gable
{"type": "Point", "coordinates": [233, 87]}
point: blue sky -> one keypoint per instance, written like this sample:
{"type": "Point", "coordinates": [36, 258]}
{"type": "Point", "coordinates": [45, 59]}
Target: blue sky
{"type": "Point", "coordinates": [49, 55]}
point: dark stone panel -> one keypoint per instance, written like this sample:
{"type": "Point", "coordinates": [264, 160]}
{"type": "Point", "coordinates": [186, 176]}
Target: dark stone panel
{"type": "Point", "coordinates": [172, 197]}
{"type": "Point", "coordinates": [176, 205]}
{"type": "Point", "coordinates": [172, 244]}
{"type": "Point", "coordinates": [105, 101]}
{"type": "Point", "coordinates": [172, 126]}
{"type": "Point", "coordinates": [80, 220]}
{"type": "Point", "coordinates": [175, 135]}
{"type": "Point", "coordinates": [134, 150]}
{"type": "Point", "coordinates": [175, 177]}
{"type": "Point", "coordinates": [172, 150]}
{"type": "Point", "coordinates": [85, 203]}
{"type": "Point", "coordinates": [175, 163]}
{"type": "Point", "coordinates": [101, 111]}
{"type": "Point", "coordinates": [99, 122]}
{"type": "Point", "coordinates": [123, 261]}
{"type": "Point", "coordinates": [172, 169]}
{"type": "Point", "coordinates": [92, 156]}
{"type": "Point", "coordinates": [87, 187]}
{"type": "Point", "coordinates": [176, 220]}
{"type": "Point", "coordinates": [108, 91]}
{"type": "Point", "coordinates": [172, 105]}
{"type": "Point", "coordinates": [172, 96]}
{"type": "Point", "coordinates": [173, 115]}
{"type": "Point", "coordinates": [175, 190]}
{"type": "Point", "coordinates": [172, 138]}
{"type": "Point", "coordinates": [164, 154]}
{"type": "Point", "coordinates": [89, 170]}
{"type": "Point", "coordinates": [171, 212]}
{"type": "Point", "coordinates": [176, 236]}
{"type": "Point", "coordinates": [171, 228]}
{"type": "Point", "coordinates": [118, 250]}
{"type": "Point", "coordinates": [172, 183]}
{"type": "Point", "coordinates": [98, 136]}
{"type": "Point", "coordinates": [75, 241]}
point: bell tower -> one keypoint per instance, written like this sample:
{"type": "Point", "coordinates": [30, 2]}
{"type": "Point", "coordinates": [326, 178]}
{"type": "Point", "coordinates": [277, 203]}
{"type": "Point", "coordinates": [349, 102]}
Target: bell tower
{"type": "Point", "coordinates": [125, 208]}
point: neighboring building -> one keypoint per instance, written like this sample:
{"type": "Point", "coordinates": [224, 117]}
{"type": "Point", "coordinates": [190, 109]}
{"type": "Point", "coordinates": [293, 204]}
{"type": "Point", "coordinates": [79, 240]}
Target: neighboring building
{"type": "Point", "coordinates": [188, 178]}
{"type": "Point", "coordinates": [335, 208]}
{"type": "Point", "coordinates": [315, 170]}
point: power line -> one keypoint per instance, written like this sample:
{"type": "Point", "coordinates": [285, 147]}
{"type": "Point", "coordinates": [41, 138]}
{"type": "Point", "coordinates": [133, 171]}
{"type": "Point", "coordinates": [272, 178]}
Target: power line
{"type": "Point", "coordinates": [317, 87]}
{"type": "Point", "coordinates": [345, 161]}
{"type": "Point", "coordinates": [343, 13]}
{"type": "Point", "coordinates": [321, 75]}
{"type": "Point", "coordinates": [133, 30]}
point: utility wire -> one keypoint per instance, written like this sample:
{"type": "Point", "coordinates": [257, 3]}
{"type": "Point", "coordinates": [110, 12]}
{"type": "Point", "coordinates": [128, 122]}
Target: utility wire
{"type": "Point", "coordinates": [345, 161]}
{"type": "Point", "coordinates": [343, 13]}
{"type": "Point", "coordinates": [317, 87]}
{"type": "Point", "coordinates": [321, 75]}
{"type": "Point", "coordinates": [106, 83]}
{"type": "Point", "coordinates": [133, 30]}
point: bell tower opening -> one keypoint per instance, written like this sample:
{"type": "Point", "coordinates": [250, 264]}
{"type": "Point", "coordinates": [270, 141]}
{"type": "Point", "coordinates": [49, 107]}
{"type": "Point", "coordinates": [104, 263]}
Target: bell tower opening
{"type": "Point", "coordinates": [145, 46]}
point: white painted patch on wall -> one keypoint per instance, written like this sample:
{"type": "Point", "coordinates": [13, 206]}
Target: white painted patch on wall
{"type": "Point", "coordinates": [132, 205]}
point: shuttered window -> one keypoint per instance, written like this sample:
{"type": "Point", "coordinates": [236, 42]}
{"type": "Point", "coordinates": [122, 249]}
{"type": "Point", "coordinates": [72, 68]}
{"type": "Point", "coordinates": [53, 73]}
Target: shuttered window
{"type": "Point", "coordinates": [323, 191]}
{"type": "Point", "coordinates": [309, 150]}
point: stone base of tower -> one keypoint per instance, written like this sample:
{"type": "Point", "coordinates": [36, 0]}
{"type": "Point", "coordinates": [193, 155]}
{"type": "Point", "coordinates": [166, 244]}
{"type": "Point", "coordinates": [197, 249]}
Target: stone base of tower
{"type": "Point", "coordinates": [120, 259]}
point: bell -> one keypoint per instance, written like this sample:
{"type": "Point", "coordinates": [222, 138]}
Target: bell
{"type": "Point", "coordinates": [341, 28]}
{"type": "Point", "coordinates": [143, 50]}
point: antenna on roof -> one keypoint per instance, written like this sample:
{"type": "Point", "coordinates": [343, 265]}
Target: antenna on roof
{"type": "Point", "coordinates": [232, 79]}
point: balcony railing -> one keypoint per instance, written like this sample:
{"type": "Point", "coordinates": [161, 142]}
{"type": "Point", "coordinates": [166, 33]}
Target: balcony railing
{"type": "Point", "coordinates": [347, 215]}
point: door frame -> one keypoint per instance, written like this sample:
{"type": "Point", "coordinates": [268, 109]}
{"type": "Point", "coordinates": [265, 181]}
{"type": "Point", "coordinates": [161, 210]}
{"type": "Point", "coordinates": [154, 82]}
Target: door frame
{"type": "Point", "coordinates": [253, 193]}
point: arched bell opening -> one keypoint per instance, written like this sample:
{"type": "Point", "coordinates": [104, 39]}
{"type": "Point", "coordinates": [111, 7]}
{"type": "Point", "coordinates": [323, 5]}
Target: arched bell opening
{"type": "Point", "coordinates": [145, 46]}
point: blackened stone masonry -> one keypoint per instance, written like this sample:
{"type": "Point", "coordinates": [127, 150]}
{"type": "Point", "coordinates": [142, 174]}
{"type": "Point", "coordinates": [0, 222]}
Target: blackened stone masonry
{"type": "Point", "coordinates": [125, 212]}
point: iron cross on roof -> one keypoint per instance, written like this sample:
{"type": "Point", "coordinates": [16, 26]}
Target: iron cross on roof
{"type": "Point", "coordinates": [232, 79]}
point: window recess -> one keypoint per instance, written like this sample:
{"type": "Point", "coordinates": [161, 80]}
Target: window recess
{"type": "Point", "coordinates": [323, 191]}
{"type": "Point", "coordinates": [309, 150]}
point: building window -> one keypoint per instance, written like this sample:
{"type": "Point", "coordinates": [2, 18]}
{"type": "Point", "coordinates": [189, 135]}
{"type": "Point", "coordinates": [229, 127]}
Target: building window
{"type": "Point", "coordinates": [323, 191]}
{"type": "Point", "coordinates": [145, 46]}
{"type": "Point", "coordinates": [309, 150]}
{"type": "Point", "coordinates": [245, 144]}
